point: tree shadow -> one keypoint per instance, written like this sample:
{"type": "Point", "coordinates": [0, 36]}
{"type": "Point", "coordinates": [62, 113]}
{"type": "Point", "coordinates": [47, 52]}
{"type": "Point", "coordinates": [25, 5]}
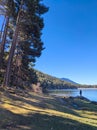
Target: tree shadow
{"type": "Point", "coordinates": [38, 121]}
{"type": "Point", "coordinates": [39, 103]}
{"type": "Point", "coordinates": [48, 103]}
{"type": "Point", "coordinates": [43, 103]}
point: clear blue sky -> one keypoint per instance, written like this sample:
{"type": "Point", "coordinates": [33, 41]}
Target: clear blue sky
{"type": "Point", "coordinates": [70, 38]}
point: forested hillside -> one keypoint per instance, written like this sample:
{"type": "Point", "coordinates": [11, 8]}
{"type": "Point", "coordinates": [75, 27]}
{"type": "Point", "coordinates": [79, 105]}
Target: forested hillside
{"type": "Point", "coordinates": [51, 82]}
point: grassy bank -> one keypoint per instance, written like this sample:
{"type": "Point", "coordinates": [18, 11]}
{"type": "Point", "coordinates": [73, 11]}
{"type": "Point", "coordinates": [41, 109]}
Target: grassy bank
{"type": "Point", "coordinates": [30, 111]}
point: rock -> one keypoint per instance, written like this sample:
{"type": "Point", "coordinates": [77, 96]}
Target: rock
{"type": "Point", "coordinates": [83, 98]}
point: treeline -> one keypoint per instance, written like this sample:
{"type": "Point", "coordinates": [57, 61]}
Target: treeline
{"type": "Point", "coordinates": [87, 86]}
{"type": "Point", "coordinates": [20, 40]}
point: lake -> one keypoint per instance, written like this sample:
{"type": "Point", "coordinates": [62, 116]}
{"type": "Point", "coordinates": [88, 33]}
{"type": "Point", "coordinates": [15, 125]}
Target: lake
{"type": "Point", "coordinates": [90, 93]}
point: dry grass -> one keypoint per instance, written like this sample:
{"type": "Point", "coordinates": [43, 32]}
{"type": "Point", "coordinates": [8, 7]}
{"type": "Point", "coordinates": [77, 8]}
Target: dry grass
{"type": "Point", "coordinates": [30, 111]}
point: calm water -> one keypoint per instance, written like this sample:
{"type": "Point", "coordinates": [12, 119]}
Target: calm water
{"type": "Point", "coordinates": [90, 93]}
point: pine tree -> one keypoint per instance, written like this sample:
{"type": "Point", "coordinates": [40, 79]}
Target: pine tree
{"type": "Point", "coordinates": [27, 35]}
{"type": "Point", "coordinates": [14, 42]}
{"type": "Point", "coordinates": [32, 46]}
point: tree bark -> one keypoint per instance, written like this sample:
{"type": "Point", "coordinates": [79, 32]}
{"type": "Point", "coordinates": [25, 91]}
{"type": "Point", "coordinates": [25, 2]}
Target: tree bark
{"type": "Point", "coordinates": [11, 54]}
{"type": "Point", "coordinates": [12, 50]}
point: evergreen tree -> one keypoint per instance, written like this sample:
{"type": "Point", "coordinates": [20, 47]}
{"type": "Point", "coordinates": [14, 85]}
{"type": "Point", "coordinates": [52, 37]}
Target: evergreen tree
{"type": "Point", "coordinates": [27, 35]}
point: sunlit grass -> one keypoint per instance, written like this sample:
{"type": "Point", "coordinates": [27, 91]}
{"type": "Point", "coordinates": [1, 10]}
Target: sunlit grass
{"type": "Point", "coordinates": [48, 107]}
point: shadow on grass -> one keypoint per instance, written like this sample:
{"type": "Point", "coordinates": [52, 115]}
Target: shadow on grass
{"type": "Point", "coordinates": [58, 104]}
{"type": "Point", "coordinates": [23, 98]}
{"type": "Point", "coordinates": [43, 103]}
{"type": "Point", "coordinates": [37, 121]}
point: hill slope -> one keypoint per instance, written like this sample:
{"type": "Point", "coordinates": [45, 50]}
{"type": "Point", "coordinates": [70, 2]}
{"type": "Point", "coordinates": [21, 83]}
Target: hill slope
{"type": "Point", "coordinates": [52, 82]}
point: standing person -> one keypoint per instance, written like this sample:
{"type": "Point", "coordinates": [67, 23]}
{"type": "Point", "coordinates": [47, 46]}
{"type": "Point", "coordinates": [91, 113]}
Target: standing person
{"type": "Point", "coordinates": [80, 92]}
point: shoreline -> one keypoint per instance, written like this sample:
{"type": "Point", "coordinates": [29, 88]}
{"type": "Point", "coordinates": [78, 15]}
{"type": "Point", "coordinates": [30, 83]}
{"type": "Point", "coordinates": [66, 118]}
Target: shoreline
{"type": "Point", "coordinates": [89, 93]}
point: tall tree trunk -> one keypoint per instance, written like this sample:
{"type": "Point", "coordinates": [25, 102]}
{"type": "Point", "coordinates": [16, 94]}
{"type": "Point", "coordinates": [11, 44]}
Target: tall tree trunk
{"type": "Point", "coordinates": [2, 45]}
{"type": "Point", "coordinates": [11, 54]}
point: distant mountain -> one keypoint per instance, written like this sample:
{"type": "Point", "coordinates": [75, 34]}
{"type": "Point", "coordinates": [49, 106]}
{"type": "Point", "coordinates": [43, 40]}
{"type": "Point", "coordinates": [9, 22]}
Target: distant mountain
{"type": "Point", "coordinates": [68, 80]}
